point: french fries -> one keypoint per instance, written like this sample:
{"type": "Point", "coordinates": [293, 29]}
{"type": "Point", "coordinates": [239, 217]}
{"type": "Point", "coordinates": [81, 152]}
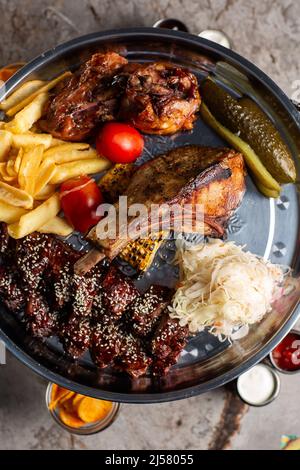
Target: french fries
{"type": "Point", "coordinates": [63, 156]}
{"type": "Point", "coordinates": [23, 92]}
{"type": "Point", "coordinates": [3, 171]}
{"type": "Point", "coordinates": [10, 213]}
{"type": "Point", "coordinates": [33, 164]}
{"type": "Point", "coordinates": [29, 168]}
{"type": "Point", "coordinates": [5, 144]}
{"type": "Point", "coordinates": [57, 226]}
{"type": "Point", "coordinates": [29, 139]}
{"type": "Point", "coordinates": [69, 153]}
{"type": "Point", "coordinates": [25, 118]}
{"type": "Point", "coordinates": [44, 89]}
{"type": "Point", "coordinates": [36, 218]}
{"type": "Point", "coordinates": [64, 147]}
{"type": "Point", "coordinates": [45, 173]}
{"type": "Point", "coordinates": [15, 196]}
{"type": "Point", "coordinates": [4, 174]}
{"type": "Point", "coordinates": [17, 162]}
{"type": "Point", "coordinates": [45, 193]}
{"type": "Point", "coordinates": [56, 142]}
{"type": "Point", "coordinates": [10, 168]}
{"type": "Point", "coordinates": [81, 167]}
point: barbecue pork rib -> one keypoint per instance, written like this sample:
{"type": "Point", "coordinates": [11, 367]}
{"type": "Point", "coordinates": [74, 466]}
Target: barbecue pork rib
{"type": "Point", "coordinates": [212, 177]}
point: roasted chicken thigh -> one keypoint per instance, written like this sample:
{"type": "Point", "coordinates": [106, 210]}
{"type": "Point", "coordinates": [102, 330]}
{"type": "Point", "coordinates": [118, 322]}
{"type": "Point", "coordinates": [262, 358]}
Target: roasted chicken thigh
{"type": "Point", "coordinates": [160, 98]}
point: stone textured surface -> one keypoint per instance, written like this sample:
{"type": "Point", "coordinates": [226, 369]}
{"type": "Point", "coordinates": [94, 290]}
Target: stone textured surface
{"type": "Point", "coordinates": [262, 428]}
{"type": "Point", "coordinates": [266, 32]}
{"type": "Point", "coordinates": [25, 422]}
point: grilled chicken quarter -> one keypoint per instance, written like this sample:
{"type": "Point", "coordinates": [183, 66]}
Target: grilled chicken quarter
{"type": "Point", "coordinates": [157, 98]}
{"type": "Point", "coordinates": [86, 99]}
{"type": "Point", "coordinates": [212, 177]}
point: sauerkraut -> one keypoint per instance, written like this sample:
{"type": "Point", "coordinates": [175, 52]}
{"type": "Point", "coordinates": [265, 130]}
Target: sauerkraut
{"type": "Point", "coordinates": [223, 288]}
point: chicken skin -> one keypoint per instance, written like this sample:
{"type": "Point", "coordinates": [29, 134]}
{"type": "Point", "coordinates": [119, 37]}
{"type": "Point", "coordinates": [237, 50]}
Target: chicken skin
{"type": "Point", "coordinates": [85, 99]}
{"type": "Point", "coordinates": [157, 98]}
{"type": "Point", "coordinates": [160, 98]}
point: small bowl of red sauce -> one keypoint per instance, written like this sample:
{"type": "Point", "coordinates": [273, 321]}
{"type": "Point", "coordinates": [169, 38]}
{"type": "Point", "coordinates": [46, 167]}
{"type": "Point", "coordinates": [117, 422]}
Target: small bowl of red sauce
{"type": "Point", "coordinates": [286, 356]}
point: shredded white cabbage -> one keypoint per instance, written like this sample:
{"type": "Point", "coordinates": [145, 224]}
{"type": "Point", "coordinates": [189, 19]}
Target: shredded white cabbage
{"type": "Point", "coordinates": [223, 288]}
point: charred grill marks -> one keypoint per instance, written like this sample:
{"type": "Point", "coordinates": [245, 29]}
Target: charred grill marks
{"type": "Point", "coordinates": [213, 178]}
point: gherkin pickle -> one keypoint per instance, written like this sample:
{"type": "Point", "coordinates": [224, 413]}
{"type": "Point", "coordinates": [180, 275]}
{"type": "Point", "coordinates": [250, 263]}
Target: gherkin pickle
{"type": "Point", "coordinates": [244, 118]}
{"type": "Point", "coordinates": [267, 191]}
{"type": "Point", "coordinates": [258, 170]}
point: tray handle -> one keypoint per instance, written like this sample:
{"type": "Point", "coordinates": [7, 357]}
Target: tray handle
{"type": "Point", "coordinates": [296, 104]}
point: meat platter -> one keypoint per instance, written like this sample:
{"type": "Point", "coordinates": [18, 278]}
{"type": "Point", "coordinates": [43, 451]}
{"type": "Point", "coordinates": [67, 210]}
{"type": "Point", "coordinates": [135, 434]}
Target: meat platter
{"type": "Point", "coordinates": [138, 344]}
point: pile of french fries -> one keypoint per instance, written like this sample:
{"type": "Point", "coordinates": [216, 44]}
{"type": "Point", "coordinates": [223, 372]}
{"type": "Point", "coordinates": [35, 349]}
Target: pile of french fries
{"type": "Point", "coordinates": [33, 164]}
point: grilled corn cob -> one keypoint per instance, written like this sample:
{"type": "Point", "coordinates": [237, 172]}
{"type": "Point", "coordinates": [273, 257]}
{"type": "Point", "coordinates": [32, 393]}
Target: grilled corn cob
{"type": "Point", "coordinates": [140, 253]}
{"type": "Point", "coordinates": [115, 181]}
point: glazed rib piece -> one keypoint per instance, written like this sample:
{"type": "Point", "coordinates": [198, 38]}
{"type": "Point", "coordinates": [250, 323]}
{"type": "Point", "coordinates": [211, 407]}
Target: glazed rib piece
{"type": "Point", "coordinates": [86, 99]}
{"type": "Point", "coordinates": [145, 310]}
{"type": "Point", "coordinates": [132, 357]}
{"type": "Point", "coordinates": [10, 291]}
{"type": "Point", "coordinates": [59, 274]}
{"type": "Point", "coordinates": [75, 335]}
{"type": "Point", "coordinates": [40, 320]}
{"type": "Point", "coordinates": [212, 177]}
{"type": "Point", "coordinates": [32, 257]}
{"type": "Point", "coordinates": [76, 331]}
{"type": "Point", "coordinates": [76, 328]}
{"type": "Point", "coordinates": [105, 342]}
{"type": "Point", "coordinates": [118, 292]}
{"type": "Point", "coordinates": [167, 343]}
{"type": "Point", "coordinates": [4, 238]}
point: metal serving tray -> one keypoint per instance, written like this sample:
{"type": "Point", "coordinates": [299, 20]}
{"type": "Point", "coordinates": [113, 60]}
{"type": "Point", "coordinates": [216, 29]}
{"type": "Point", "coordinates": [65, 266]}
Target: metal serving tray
{"type": "Point", "coordinates": [268, 227]}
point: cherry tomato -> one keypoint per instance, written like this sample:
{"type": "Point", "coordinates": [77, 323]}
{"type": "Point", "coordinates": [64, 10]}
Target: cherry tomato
{"type": "Point", "coordinates": [80, 198]}
{"type": "Point", "coordinates": [119, 142]}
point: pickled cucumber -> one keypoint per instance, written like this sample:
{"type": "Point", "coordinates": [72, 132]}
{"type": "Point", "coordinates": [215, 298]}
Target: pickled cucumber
{"type": "Point", "coordinates": [267, 191]}
{"type": "Point", "coordinates": [260, 173]}
{"type": "Point", "coordinates": [244, 118]}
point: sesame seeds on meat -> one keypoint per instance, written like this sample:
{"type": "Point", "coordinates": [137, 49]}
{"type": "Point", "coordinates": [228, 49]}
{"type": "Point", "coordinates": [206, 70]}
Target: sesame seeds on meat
{"type": "Point", "coordinates": [101, 312]}
{"type": "Point", "coordinates": [105, 343]}
{"type": "Point", "coordinates": [145, 310]}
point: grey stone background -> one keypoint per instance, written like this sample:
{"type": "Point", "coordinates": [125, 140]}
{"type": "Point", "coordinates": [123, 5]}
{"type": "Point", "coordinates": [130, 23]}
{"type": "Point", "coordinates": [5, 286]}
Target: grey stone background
{"type": "Point", "coordinates": [265, 31]}
{"type": "Point", "coordinates": [268, 33]}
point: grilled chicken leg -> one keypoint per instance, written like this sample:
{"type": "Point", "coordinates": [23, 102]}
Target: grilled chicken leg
{"type": "Point", "coordinates": [90, 97]}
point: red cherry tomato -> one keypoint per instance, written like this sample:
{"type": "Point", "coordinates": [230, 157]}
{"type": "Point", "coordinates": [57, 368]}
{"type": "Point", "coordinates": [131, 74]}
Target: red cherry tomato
{"type": "Point", "coordinates": [119, 142]}
{"type": "Point", "coordinates": [80, 198]}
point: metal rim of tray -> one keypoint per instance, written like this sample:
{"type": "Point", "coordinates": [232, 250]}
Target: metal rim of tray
{"type": "Point", "coordinates": [187, 39]}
